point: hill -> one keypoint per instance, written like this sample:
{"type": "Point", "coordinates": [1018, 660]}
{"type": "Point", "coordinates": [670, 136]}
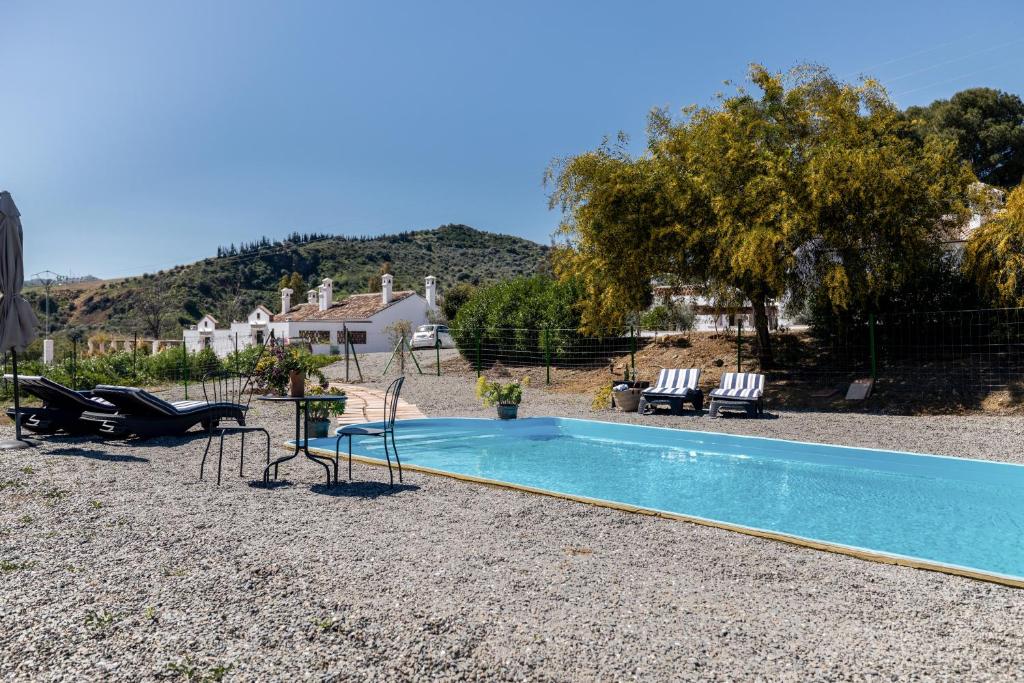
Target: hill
{"type": "Point", "coordinates": [232, 283]}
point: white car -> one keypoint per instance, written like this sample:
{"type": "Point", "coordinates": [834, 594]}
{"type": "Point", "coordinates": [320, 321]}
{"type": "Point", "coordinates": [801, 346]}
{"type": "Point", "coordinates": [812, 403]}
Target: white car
{"type": "Point", "coordinates": [426, 336]}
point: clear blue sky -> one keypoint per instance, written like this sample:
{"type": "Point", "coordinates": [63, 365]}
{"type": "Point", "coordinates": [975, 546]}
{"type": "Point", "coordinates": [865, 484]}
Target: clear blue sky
{"type": "Point", "coordinates": [138, 135]}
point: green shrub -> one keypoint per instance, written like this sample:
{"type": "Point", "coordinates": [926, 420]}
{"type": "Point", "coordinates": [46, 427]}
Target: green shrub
{"type": "Point", "coordinates": [520, 316]}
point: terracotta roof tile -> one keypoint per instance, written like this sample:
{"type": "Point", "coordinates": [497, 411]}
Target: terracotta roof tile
{"type": "Point", "coordinates": [352, 307]}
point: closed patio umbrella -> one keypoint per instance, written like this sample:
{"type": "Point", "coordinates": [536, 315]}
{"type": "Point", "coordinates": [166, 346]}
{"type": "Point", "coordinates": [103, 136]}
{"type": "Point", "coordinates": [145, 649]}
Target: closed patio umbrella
{"type": "Point", "coordinates": [17, 321]}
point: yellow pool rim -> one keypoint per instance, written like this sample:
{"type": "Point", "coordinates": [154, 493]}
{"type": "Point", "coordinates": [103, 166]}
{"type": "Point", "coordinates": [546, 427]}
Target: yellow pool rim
{"type": "Point", "coordinates": [852, 551]}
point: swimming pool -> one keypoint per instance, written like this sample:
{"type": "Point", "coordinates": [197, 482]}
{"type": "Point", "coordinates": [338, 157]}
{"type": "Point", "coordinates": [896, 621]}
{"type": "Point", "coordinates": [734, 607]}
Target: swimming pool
{"type": "Point", "coordinates": [952, 514]}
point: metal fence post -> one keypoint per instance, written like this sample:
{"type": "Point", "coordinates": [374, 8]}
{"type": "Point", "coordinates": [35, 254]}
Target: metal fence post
{"type": "Point", "coordinates": [437, 349]}
{"type": "Point", "coordinates": [74, 363]}
{"type": "Point", "coordinates": [871, 343]}
{"type": "Point", "coordinates": [355, 358]}
{"type": "Point", "coordinates": [632, 351]}
{"type": "Point", "coordinates": [479, 337]}
{"type": "Point", "coordinates": [184, 364]}
{"type": "Point", "coordinates": [344, 332]}
{"type": "Point", "coordinates": [547, 353]}
{"type": "Point", "coordinates": [739, 344]}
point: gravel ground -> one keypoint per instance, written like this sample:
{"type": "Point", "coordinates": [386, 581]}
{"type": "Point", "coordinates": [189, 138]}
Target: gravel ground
{"type": "Point", "coordinates": [117, 563]}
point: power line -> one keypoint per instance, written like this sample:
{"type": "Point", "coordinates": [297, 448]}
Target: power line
{"type": "Point", "coordinates": [911, 55]}
{"type": "Point", "coordinates": [949, 80]}
{"type": "Point", "coordinates": [956, 59]}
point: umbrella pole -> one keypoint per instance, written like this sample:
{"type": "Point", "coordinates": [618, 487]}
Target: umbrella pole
{"type": "Point", "coordinates": [17, 402]}
{"type": "Point", "coordinates": [17, 442]}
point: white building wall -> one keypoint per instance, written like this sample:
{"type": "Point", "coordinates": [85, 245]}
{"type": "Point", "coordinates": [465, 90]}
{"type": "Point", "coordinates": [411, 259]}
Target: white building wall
{"type": "Point", "coordinates": [412, 308]}
{"type": "Point", "coordinates": [223, 341]}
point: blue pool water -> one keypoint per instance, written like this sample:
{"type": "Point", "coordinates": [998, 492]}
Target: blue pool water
{"type": "Point", "coordinates": [951, 511]}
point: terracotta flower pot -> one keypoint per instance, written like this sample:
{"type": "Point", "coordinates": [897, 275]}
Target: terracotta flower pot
{"type": "Point", "coordinates": [296, 383]}
{"type": "Point", "coordinates": [507, 412]}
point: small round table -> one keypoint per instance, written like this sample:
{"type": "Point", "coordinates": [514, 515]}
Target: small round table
{"type": "Point", "coordinates": [302, 418]}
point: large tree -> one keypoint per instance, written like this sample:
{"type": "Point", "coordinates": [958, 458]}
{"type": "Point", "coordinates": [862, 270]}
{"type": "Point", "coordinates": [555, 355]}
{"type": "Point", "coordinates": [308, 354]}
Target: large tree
{"type": "Point", "coordinates": [988, 128]}
{"type": "Point", "coordinates": [803, 185]}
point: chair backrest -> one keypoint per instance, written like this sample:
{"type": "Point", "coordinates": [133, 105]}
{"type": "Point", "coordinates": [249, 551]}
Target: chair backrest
{"type": "Point", "coordinates": [234, 384]}
{"type": "Point", "coordinates": [391, 402]}
{"type": "Point", "coordinates": [57, 395]}
{"type": "Point", "coordinates": [741, 380]}
{"type": "Point", "coordinates": [678, 378]}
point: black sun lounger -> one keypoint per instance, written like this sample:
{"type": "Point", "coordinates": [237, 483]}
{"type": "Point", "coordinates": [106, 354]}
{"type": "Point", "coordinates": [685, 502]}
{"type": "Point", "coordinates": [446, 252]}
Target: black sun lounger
{"type": "Point", "coordinates": [62, 407]}
{"type": "Point", "coordinates": [140, 412]}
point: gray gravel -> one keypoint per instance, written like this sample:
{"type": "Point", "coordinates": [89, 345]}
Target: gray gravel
{"type": "Point", "coordinates": [119, 564]}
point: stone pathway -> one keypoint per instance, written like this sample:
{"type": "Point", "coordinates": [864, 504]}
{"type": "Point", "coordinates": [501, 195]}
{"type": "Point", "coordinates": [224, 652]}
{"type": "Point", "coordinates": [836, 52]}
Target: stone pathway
{"type": "Point", "coordinates": [367, 405]}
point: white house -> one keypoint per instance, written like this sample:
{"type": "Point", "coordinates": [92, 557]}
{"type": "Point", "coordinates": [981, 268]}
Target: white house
{"type": "Point", "coordinates": [710, 316]}
{"type": "Point", "coordinates": [321, 320]}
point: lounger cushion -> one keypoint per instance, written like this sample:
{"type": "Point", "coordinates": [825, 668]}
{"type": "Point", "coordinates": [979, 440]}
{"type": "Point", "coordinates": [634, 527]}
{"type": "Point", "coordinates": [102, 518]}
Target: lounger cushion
{"type": "Point", "coordinates": [140, 402]}
{"type": "Point", "coordinates": [674, 382]}
{"type": "Point", "coordinates": [740, 386]}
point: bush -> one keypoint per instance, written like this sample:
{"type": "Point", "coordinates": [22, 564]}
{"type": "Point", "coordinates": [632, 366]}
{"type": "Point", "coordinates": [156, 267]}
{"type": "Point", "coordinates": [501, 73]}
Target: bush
{"type": "Point", "coordinates": [520, 316]}
{"type": "Point", "coordinates": [669, 316]}
{"type": "Point", "coordinates": [454, 298]}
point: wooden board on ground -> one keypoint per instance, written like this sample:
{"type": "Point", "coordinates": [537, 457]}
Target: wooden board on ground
{"type": "Point", "coordinates": [860, 389]}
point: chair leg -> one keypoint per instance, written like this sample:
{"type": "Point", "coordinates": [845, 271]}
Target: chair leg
{"type": "Point", "coordinates": [337, 448]}
{"type": "Point", "coordinates": [387, 454]}
{"type": "Point", "coordinates": [220, 457]}
{"type": "Point", "coordinates": [350, 457]}
{"type": "Point", "coordinates": [267, 434]}
{"type": "Point", "coordinates": [394, 445]}
{"type": "Point", "coordinates": [202, 464]}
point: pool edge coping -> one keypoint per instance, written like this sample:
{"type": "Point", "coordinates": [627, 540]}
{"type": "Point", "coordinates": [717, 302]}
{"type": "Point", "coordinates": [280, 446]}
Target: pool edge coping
{"type": "Point", "coordinates": [837, 548]}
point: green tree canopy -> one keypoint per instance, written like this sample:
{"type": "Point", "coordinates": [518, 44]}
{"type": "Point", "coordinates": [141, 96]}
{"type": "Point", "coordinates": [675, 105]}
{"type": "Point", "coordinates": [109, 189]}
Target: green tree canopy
{"type": "Point", "coordinates": [806, 185]}
{"type": "Point", "coordinates": [988, 128]}
{"type": "Point", "coordinates": [994, 255]}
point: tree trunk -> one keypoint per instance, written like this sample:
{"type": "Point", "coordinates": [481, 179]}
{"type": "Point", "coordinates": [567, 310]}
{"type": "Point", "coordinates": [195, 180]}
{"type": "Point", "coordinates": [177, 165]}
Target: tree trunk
{"type": "Point", "coordinates": [764, 338]}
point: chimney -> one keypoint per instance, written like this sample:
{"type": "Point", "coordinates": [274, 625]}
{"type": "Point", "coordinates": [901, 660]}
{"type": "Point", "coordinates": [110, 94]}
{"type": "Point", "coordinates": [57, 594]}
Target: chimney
{"type": "Point", "coordinates": [286, 300]}
{"type": "Point", "coordinates": [312, 296]}
{"type": "Point", "coordinates": [326, 294]}
{"type": "Point", "coordinates": [385, 287]}
{"type": "Point", "coordinates": [431, 291]}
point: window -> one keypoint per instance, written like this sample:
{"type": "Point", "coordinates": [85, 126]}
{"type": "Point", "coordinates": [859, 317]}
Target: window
{"type": "Point", "coordinates": [442, 328]}
{"type": "Point", "coordinates": [357, 336]}
{"type": "Point", "coordinates": [316, 336]}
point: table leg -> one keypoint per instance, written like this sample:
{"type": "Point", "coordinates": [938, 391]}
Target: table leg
{"type": "Point", "coordinates": [320, 460]}
{"type": "Point", "coordinates": [275, 463]}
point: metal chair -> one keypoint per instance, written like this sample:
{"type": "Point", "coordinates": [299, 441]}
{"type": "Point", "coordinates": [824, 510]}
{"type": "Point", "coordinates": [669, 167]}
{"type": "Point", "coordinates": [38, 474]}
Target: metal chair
{"type": "Point", "coordinates": [236, 387]}
{"type": "Point", "coordinates": [390, 409]}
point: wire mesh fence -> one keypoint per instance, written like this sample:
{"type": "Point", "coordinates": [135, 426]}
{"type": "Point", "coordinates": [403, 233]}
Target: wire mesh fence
{"type": "Point", "coordinates": [966, 352]}
{"type": "Point", "coordinates": [557, 348]}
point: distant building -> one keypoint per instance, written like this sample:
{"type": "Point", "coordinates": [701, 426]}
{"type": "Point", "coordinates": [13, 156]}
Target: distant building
{"type": "Point", "coordinates": [711, 316]}
{"type": "Point", "coordinates": [989, 202]}
{"type": "Point", "coordinates": [321, 321]}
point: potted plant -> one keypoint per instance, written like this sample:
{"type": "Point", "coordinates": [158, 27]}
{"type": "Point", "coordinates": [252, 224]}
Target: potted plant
{"type": "Point", "coordinates": [285, 368]}
{"type": "Point", "coordinates": [321, 412]}
{"type": "Point", "coordinates": [506, 397]}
